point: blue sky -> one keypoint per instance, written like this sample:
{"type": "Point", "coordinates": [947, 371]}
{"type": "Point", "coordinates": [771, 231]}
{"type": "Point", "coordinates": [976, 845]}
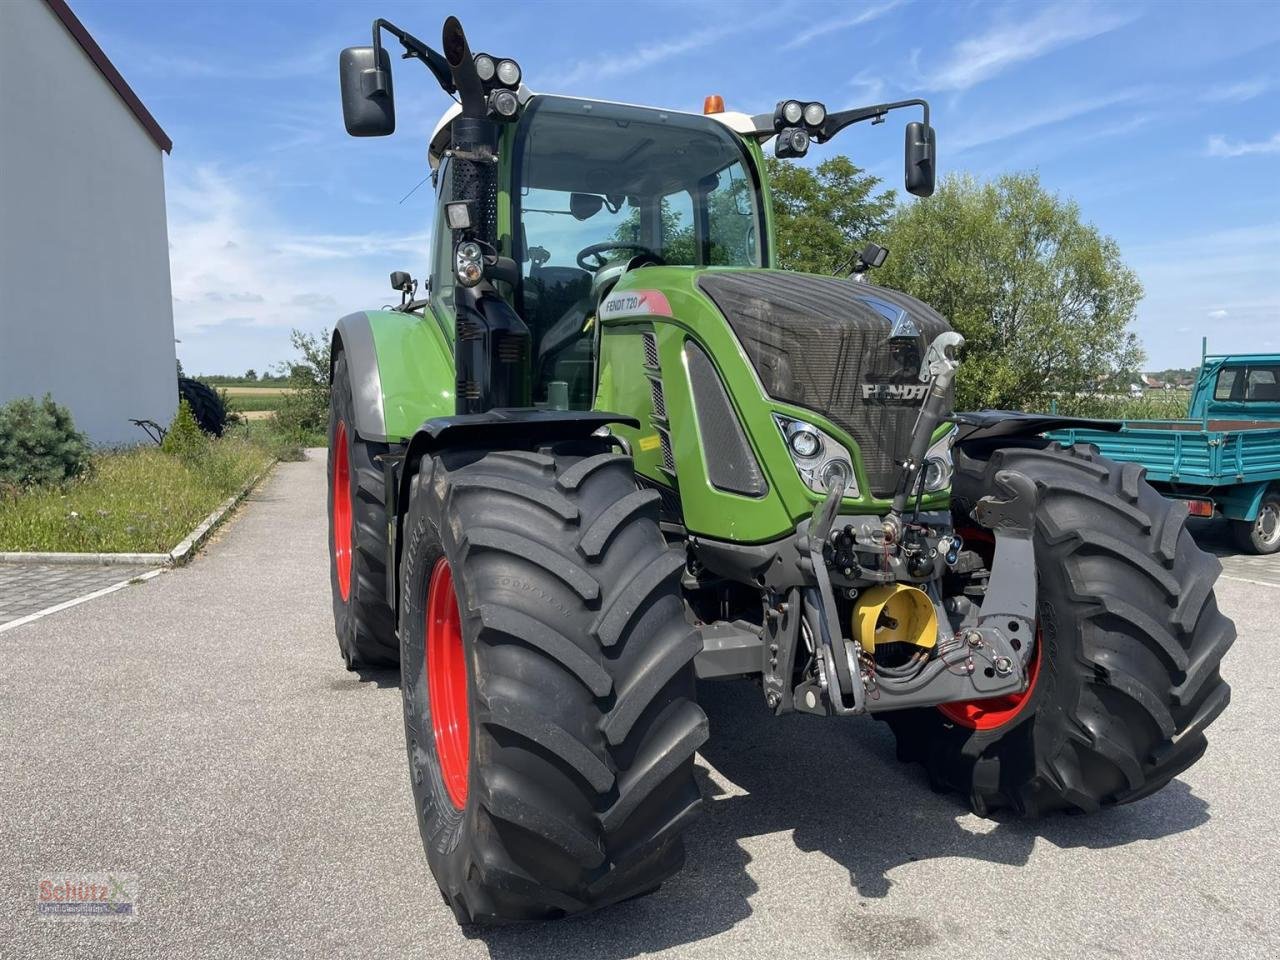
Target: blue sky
{"type": "Point", "coordinates": [1161, 119]}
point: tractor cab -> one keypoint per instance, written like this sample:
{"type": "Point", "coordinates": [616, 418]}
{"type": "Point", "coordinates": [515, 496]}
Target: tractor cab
{"type": "Point", "coordinates": [598, 190]}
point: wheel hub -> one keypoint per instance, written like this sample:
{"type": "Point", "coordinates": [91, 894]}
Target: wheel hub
{"type": "Point", "coordinates": [447, 683]}
{"type": "Point", "coordinates": [342, 511]}
{"type": "Point", "coordinates": [996, 711]}
{"type": "Point", "coordinates": [1268, 523]}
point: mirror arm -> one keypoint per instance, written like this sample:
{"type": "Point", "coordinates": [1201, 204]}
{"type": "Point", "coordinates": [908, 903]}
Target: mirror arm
{"type": "Point", "coordinates": [836, 122]}
{"type": "Point", "coordinates": [414, 49]}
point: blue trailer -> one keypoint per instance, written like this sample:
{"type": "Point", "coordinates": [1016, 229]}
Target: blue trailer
{"type": "Point", "coordinates": [1224, 459]}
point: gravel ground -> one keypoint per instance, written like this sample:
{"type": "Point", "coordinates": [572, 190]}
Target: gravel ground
{"type": "Point", "coordinates": [199, 732]}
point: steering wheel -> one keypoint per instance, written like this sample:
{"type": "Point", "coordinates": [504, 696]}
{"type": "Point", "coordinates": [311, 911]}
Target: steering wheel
{"type": "Point", "coordinates": [596, 251]}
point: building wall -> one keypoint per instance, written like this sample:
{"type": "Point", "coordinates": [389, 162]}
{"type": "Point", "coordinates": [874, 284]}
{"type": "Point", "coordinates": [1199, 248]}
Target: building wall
{"type": "Point", "coordinates": [85, 306]}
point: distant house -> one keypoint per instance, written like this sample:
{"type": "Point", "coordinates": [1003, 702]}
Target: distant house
{"type": "Point", "coordinates": [1152, 383]}
{"type": "Point", "coordinates": [86, 311]}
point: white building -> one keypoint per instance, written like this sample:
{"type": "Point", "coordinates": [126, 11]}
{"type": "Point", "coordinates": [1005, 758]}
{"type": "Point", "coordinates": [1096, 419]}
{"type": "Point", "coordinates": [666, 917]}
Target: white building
{"type": "Point", "coordinates": [86, 312]}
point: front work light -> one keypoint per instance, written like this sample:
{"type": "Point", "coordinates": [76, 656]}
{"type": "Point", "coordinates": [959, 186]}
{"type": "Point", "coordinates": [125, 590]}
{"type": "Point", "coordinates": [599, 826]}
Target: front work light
{"type": "Point", "coordinates": [791, 111]}
{"type": "Point", "coordinates": [503, 104]}
{"type": "Point", "coordinates": [458, 213]}
{"type": "Point", "coordinates": [509, 73]}
{"type": "Point", "coordinates": [486, 67]}
{"type": "Point", "coordinates": [814, 114]}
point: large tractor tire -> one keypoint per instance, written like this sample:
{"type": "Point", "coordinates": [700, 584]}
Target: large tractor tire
{"type": "Point", "coordinates": [206, 406]}
{"type": "Point", "coordinates": [1125, 676]}
{"type": "Point", "coordinates": [547, 674]}
{"type": "Point", "coordinates": [1260, 536]}
{"type": "Point", "coordinates": [364, 622]}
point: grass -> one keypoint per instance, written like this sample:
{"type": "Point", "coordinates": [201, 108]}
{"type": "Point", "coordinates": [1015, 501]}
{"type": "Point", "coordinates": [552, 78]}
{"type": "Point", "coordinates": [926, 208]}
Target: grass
{"type": "Point", "coordinates": [1152, 405]}
{"type": "Point", "coordinates": [134, 501]}
{"type": "Point", "coordinates": [244, 402]}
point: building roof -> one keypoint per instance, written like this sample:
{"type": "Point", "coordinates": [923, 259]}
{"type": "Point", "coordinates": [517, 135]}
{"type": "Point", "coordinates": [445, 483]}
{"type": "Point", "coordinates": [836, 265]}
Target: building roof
{"type": "Point", "coordinates": [110, 73]}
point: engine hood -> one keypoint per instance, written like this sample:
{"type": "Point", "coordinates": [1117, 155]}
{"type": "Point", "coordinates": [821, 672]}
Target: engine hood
{"type": "Point", "coordinates": [850, 351]}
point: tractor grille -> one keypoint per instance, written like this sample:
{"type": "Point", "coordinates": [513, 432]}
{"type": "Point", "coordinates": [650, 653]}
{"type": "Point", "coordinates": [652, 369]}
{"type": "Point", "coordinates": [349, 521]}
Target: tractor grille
{"type": "Point", "coordinates": [731, 464]}
{"type": "Point", "coordinates": [650, 351]}
{"type": "Point", "coordinates": [824, 343]}
{"type": "Point", "coordinates": [659, 401]}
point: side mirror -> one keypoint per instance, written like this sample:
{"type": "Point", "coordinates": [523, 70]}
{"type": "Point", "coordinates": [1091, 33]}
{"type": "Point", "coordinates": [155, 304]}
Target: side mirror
{"type": "Point", "coordinates": [920, 159]}
{"type": "Point", "coordinates": [368, 104]}
{"type": "Point", "coordinates": [584, 206]}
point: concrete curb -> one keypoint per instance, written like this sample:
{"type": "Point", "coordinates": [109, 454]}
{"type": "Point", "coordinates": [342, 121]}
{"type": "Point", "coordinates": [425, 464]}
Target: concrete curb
{"type": "Point", "coordinates": [176, 557]}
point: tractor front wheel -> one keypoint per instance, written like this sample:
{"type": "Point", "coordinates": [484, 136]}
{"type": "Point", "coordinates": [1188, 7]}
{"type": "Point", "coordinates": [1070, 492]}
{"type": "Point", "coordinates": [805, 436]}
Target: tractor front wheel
{"type": "Point", "coordinates": [547, 677]}
{"type": "Point", "coordinates": [1125, 674]}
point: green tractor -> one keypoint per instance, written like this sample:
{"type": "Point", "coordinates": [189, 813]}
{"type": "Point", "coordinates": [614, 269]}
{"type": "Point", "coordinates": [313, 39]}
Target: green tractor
{"type": "Point", "coordinates": [609, 449]}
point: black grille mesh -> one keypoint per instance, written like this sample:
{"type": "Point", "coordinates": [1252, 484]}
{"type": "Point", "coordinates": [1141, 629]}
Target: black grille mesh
{"type": "Point", "coordinates": [815, 341]}
{"type": "Point", "coordinates": [731, 464]}
{"type": "Point", "coordinates": [659, 400]}
{"type": "Point", "coordinates": [650, 350]}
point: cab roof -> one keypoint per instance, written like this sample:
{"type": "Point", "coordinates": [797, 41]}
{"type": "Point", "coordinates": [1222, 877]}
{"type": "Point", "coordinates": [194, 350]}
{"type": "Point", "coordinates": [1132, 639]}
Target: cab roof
{"type": "Point", "coordinates": [739, 123]}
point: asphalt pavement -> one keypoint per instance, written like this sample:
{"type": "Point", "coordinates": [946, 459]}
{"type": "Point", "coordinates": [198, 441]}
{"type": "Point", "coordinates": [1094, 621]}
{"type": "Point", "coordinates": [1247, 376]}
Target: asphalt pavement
{"type": "Point", "coordinates": [198, 734]}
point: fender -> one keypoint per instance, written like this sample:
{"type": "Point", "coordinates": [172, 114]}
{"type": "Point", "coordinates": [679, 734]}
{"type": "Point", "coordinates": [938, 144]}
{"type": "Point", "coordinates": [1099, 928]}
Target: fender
{"type": "Point", "coordinates": [998, 424]}
{"type": "Point", "coordinates": [401, 369]}
{"type": "Point", "coordinates": [502, 429]}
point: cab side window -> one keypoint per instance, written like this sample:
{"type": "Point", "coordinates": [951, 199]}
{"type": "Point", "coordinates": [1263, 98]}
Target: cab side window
{"type": "Point", "coordinates": [442, 281]}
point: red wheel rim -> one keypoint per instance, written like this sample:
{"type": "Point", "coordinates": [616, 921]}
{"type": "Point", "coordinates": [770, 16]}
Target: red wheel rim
{"type": "Point", "coordinates": [342, 511]}
{"type": "Point", "coordinates": [996, 711]}
{"type": "Point", "coordinates": [447, 683]}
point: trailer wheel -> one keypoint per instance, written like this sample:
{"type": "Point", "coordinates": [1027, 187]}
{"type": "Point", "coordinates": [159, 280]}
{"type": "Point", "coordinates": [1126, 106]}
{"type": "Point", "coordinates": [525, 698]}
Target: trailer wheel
{"type": "Point", "coordinates": [363, 621]}
{"type": "Point", "coordinates": [547, 678]}
{"type": "Point", "coordinates": [1129, 642]}
{"type": "Point", "coordinates": [1261, 536]}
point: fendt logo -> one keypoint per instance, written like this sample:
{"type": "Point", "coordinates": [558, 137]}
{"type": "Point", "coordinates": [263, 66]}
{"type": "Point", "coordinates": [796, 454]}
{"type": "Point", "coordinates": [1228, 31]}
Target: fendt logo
{"type": "Point", "coordinates": [894, 392]}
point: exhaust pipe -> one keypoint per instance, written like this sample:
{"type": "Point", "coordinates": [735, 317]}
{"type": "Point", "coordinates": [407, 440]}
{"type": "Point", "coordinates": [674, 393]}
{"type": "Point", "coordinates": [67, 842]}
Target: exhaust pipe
{"type": "Point", "coordinates": [463, 66]}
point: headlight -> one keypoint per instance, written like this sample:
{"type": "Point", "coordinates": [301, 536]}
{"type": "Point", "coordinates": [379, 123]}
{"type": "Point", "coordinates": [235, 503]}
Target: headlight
{"type": "Point", "coordinates": [938, 466]}
{"type": "Point", "coordinates": [814, 114]}
{"type": "Point", "coordinates": [804, 440]}
{"type": "Point", "coordinates": [467, 263]}
{"type": "Point", "coordinates": [792, 111]}
{"type": "Point", "coordinates": [485, 66]}
{"type": "Point", "coordinates": [508, 73]}
{"type": "Point", "coordinates": [822, 462]}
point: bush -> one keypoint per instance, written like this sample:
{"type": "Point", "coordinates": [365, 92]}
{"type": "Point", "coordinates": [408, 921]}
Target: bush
{"type": "Point", "coordinates": [303, 415]}
{"type": "Point", "coordinates": [184, 438]}
{"type": "Point", "coordinates": [39, 444]}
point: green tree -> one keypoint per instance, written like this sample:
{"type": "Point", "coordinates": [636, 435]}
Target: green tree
{"type": "Point", "coordinates": [1043, 299]}
{"type": "Point", "coordinates": [304, 412]}
{"type": "Point", "coordinates": [251, 374]}
{"type": "Point", "coordinates": [823, 215]}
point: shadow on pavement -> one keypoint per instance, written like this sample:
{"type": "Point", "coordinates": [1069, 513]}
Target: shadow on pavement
{"type": "Point", "coordinates": [838, 788]}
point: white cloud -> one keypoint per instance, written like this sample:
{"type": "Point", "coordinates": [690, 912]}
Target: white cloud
{"type": "Point", "coordinates": [1236, 92]}
{"type": "Point", "coordinates": [1218, 314]}
{"type": "Point", "coordinates": [823, 27]}
{"type": "Point", "coordinates": [982, 133]}
{"type": "Point", "coordinates": [625, 58]}
{"type": "Point", "coordinates": [868, 87]}
{"type": "Point", "coordinates": [241, 281]}
{"type": "Point", "coordinates": [1220, 146]}
{"type": "Point", "coordinates": [983, 56]}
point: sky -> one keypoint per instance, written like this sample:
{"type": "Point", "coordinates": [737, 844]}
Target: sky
{"type": "Point", "coordinates": [1160, 119]}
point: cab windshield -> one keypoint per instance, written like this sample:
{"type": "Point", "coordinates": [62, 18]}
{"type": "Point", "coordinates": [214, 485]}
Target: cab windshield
{"type": "Point", "coordinates": [600, 184]}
